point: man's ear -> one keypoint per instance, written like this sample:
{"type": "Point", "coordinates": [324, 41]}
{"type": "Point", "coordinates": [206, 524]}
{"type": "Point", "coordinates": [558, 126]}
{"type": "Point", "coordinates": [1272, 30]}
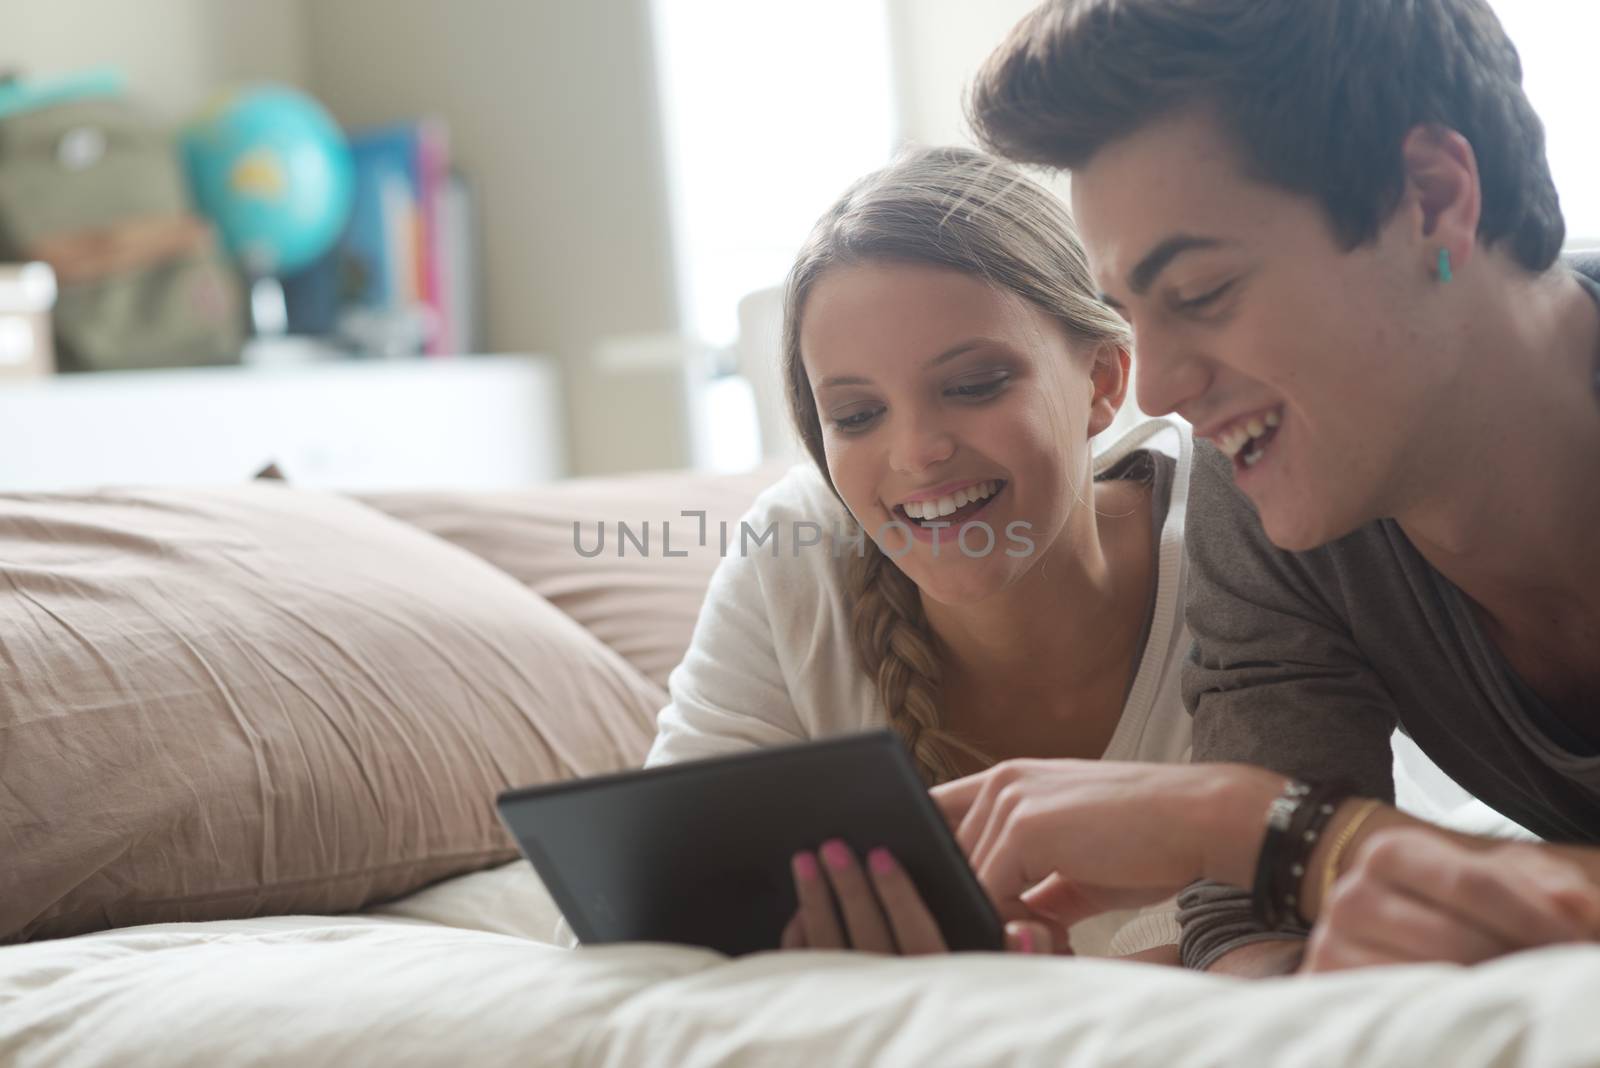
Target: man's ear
{"type": "Point", "coordinates": [1109, 375]}
{"type": "Point", "coordinates": [1443, 197]}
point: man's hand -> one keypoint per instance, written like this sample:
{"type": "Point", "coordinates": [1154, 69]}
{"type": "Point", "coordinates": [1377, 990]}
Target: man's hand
{"type": "Point", "coordinates": [1068, 839]}
{"type": "Point", "coordinates": [1412, 894]}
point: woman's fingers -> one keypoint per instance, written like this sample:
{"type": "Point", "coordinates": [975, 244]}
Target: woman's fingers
{"type": "Point", "coordinates": [842, 906]}
{"type": "Point", "coordinates": [794, 934]}
{"type": "Point", "coordinates": [1029, 936]}
{"type": "Point", "coordinates": [818, 922]}
{"type": "Point", "coordinates": [915, 931]}
{"type": "Point", "coordinates": [858, 904]}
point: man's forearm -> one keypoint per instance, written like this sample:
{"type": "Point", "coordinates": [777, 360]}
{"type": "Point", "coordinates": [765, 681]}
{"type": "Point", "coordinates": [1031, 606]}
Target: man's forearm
{"type": "Point", "coordinates": [1261, 960]}
{"type": "Point", "coordinates": [1316, 880]}
{"type": "Point", "coordinates": [1167, 955]}
{"type": "Point", "coordinates": [1233, 821]}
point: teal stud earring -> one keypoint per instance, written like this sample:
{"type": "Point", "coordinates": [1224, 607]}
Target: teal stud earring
{"type": "Point", "coordinates": [1444, 265]}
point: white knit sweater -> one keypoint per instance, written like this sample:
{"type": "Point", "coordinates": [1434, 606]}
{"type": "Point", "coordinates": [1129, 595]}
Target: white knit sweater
{"type": "Point", "coordinates": [771, 661]}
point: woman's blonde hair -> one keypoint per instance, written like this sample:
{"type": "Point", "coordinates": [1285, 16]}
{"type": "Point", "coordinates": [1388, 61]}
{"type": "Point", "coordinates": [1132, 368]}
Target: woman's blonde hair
{"type": "Point", "coordinates": [973, 213]}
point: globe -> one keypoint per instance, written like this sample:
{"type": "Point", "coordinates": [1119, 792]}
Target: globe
{"type": "Point", "coordinates": [272, 169]}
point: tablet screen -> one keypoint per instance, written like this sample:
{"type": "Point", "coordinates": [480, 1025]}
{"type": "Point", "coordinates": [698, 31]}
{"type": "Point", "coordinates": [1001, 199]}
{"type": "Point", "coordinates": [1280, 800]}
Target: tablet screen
{"type": "Point", "coordinates": [698, 853]}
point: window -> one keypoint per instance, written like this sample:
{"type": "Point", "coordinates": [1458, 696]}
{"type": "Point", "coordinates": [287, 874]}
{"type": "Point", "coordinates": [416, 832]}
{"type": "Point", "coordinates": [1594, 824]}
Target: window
{"type": "Point", "coordinates": [769, 110]}
{"type": "Point", "coordinates": [1556, 39]}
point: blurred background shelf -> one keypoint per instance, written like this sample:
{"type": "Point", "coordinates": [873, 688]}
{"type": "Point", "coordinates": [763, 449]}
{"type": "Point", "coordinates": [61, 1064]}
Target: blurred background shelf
{"type": "Point", "coordinates": [634, 169]}
{"type": "Point", "coordinates": [471, 422]}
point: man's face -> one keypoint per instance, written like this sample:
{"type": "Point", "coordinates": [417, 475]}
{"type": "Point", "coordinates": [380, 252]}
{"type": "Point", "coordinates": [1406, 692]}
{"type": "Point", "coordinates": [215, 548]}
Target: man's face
{"type": "Point", "coordinates": [1302, 361]}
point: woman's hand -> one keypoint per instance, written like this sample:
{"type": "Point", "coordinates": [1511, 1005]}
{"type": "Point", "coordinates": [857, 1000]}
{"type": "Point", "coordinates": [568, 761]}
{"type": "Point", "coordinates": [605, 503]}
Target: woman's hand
{"type": "Point", "coordinates": [876, 909]}
{"type": "Point", "coordinates": [1068, 839]}
{"type": "Point", "coordinates": [1411, 895]}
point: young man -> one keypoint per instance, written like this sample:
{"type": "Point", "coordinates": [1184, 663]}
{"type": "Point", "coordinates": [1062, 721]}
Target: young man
{"type": "Point", "coordinates": [1333, 229]}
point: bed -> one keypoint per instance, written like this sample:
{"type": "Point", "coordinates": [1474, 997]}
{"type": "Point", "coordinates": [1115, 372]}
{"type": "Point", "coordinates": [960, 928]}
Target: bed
{"type": "Point", "coordinates": [460, 974]}
{"type": "Point", "coordinates": [248, 739]}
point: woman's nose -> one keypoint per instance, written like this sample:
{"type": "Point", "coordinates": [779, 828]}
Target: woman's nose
{"type": "Point", "coordinates": [919, 444]}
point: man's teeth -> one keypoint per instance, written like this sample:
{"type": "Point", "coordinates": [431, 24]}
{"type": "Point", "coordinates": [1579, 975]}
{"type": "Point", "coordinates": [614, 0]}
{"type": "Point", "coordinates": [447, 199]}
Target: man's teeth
{"type": "Point", "coordinates": [1241, 434]}
{"type": "Point", "coordinates": [957, 500]}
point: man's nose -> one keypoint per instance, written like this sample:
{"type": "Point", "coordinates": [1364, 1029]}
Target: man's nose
{"type": "Point", "coordinates": [1169, 373]}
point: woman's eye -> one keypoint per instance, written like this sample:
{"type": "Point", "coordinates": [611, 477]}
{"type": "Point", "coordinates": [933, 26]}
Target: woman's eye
{"type": "Point", "coordinates": [1205, 299]}
{"type": "Point", "coordinates": [987, 387]}
{"type": "Point", "coordinates": [857, 420]}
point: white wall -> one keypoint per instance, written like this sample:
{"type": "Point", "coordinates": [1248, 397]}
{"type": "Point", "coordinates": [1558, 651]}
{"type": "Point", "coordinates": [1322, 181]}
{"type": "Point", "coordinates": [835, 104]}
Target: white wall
{"type": "Point", "coordinates": [1556, 40]}
{"type": "Point", "coordinates": [551, 114]}
{"type": "Point", "coordinates": [939, 45]}
{"type": "Point", "coordinates": [175, 52]}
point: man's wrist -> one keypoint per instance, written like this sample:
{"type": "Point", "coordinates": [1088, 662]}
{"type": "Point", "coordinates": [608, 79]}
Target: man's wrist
{"type": "Point", "coordinates": [1356, 819]}
{"type": "Point", "coordinates": [1232, 813]}
{"type": "Point", "coordinates": [1261, 959]}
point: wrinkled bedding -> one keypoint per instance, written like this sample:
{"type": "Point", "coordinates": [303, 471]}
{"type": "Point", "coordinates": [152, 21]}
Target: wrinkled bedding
{"type": "Point", "coordinates": [462, 974]}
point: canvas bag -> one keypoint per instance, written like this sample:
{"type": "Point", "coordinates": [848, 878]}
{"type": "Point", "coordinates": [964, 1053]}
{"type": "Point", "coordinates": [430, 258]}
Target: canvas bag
{"type": "Point", "coordinates": [93, 187]}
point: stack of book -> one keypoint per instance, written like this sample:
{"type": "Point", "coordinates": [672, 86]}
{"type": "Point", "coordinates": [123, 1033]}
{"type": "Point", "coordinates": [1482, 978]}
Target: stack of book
{"type": "Point", "coordinates": [409, 252]}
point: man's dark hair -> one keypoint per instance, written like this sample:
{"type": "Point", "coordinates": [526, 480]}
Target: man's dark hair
{"type": "Point", "coordinates": [1317, 96]}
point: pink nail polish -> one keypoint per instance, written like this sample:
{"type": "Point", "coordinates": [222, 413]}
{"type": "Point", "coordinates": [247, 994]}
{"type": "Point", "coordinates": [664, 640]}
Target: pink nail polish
{"type": "Point", "coordinates": [1025, 939]}
{"type": "Point", "coordinates": [880, 860]}
{"type": "Point", "coordinates": [805, 865]}
{"type": "Point", "coordinates": [836, 854]}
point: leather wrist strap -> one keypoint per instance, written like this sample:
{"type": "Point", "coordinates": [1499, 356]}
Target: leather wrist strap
{"type": "Point", "coordinates": [1295, 821]}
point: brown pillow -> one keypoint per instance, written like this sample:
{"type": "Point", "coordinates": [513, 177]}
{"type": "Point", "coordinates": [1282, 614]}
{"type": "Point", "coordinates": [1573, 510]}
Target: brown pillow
{"type": "Point", "coordinates": [254, 699]}
{"type": "Point", "coordinates": [642, 605]}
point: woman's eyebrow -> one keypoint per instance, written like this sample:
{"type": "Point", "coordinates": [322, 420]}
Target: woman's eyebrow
{"type": "Point", "coordinates": [958, 350]}
{"type": "Point", "coordinates": [946, 356]}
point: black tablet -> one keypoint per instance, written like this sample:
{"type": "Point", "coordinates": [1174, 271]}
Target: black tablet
{"type": "Point", "coordinates": [698, 853]}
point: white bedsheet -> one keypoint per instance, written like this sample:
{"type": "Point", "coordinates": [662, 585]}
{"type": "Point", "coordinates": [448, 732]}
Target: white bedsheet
{"type": "Point", "coordinates": [457, 976]}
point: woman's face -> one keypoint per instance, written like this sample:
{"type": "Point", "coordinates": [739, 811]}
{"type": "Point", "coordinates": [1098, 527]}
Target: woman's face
{"type": "Point", "coordinates": [958, 410]}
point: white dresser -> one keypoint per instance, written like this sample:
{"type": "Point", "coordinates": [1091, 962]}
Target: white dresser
{"type": "Point", "coordinates": [469, 422]}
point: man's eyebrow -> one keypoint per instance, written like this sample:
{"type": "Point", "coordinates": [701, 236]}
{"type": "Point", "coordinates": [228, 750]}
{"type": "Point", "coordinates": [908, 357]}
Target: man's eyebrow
{"type": "Point", "coordinates": [948, 354]}
{"type": "Point", "coordinates": [1143, 276]}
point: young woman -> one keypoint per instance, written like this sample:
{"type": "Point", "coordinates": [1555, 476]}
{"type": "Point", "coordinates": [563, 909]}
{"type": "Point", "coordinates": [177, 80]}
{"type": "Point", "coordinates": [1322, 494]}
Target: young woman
{"type": "Point", "coordinates": [960, 561]}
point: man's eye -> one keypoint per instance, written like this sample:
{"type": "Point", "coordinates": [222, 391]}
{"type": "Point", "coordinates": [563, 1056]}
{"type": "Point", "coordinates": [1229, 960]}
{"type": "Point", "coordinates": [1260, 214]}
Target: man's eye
{"type": "Point", "coordinates": [1206, 299]}
{"type": "Point", "coordinates": [857, 420]}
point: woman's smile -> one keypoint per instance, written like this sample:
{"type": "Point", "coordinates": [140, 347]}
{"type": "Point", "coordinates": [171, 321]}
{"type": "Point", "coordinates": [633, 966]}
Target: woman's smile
{"type": "Point", "coordinates": [940, 519]}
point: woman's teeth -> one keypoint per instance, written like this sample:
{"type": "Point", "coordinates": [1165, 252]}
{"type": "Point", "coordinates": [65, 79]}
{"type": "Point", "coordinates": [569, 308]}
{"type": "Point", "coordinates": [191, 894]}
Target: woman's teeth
{"type": "Point", "coordinates": [935, 509]}
{"type": "Point", "coordinates": [1250, 437]}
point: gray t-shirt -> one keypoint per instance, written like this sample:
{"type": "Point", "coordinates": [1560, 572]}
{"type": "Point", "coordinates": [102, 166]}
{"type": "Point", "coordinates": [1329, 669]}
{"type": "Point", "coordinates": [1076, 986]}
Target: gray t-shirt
{"type": "Point", "coordinates": [1305, 662]}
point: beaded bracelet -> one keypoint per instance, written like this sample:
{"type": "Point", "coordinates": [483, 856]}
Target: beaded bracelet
{"type": "Point", "coordinates": [1330, 868]}
{"type": "Point", "coordinates": [1295, 820]}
